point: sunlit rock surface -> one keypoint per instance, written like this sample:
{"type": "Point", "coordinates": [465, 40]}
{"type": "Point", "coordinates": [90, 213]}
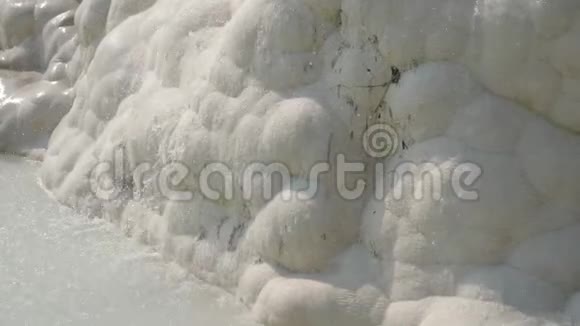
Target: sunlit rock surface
{"type": "Point", "coordinates": [491, 82]}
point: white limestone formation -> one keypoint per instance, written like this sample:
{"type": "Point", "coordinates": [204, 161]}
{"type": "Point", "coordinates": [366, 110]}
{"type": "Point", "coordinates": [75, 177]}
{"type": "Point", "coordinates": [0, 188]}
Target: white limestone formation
{"type": "Point", "coordinates": [495, 83]}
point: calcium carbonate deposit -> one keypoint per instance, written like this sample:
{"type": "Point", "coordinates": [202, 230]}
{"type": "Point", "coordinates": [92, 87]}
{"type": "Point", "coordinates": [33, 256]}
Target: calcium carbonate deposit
{"type": "Point", "coordinates": [494, 84]}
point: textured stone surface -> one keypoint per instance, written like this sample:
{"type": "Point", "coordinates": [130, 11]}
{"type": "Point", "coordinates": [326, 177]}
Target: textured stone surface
{"type": "Point", "coordinates": [492, 82]}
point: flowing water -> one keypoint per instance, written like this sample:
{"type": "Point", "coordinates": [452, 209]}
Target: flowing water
{"type": "Point", "coordinates": [58, 268]}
